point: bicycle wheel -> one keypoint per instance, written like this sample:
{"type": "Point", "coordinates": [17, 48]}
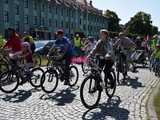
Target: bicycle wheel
{"type": "Point", "coordinates": [49, 81]}
{"type": "Point", "coordinates": [74, 76]}
{"type": "Point", "coordinates": [36, 76]}
{"type": "Point", "coordinates": [109, 88]}
{"type": "Point", "coordinates": [85, 68]}
{"type": "Point", "coordinates": [90, 96]}
{"type": "Point", "coordinates": [9, 82]}
{"type": "Point", "coordinates": [37, 60]}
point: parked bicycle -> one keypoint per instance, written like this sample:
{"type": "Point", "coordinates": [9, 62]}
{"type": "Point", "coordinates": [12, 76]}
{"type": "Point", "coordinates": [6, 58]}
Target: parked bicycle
{"type": "Point", "coordinates": [93, 85]}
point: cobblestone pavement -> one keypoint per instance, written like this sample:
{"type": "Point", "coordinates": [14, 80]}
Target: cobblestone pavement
{"type": "Point", "coordinates": [64, 104]}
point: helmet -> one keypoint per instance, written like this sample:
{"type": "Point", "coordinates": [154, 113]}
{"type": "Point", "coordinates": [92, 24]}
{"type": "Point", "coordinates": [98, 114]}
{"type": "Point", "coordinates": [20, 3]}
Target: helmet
{"type": "Point", "coordinates": [60, 31]}
{"type": "Point", "coordinates": [105, 31]}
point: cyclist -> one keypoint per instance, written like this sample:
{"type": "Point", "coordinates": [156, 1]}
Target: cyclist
{"type": "Point", "coordinates": [28, 38]}
{"type": "Point", "coordinates": [78, 44]}
{"type": "Point", "coordinates": [14, 42]}
{"type": "Point", "coordinates": [126, 45]}
{"type": "Point", "coordinates": [66, 47]}
{"type": "Point", "coordinates": [104, 48]}
{"type": "Point", "coordinates": [27, 55]}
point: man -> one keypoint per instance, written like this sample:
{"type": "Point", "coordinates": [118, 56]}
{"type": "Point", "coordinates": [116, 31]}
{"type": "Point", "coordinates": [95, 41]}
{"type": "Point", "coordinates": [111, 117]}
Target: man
{"type": "Point", "coordinates": [14, 42]}
{"type": "Point", "coordinates": [66, 46]}
{"type": "Point", "coordinates": [104, 48]}
{"type": "Point", "coordinates": [126, 45]}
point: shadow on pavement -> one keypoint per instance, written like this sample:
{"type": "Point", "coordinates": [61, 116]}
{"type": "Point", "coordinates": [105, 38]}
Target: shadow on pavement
{"type": "Point", "coordinates": [62, 98]}
{"type": "Point", "coordinates": [133, 82]}
{"type": "Point", "coordinates": [19, 96]}
{"type": "Point", "coordinates": [111, 108]}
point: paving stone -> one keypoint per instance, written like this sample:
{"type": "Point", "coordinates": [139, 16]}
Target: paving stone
{"type": "Point", "coordinates": [65, 104]}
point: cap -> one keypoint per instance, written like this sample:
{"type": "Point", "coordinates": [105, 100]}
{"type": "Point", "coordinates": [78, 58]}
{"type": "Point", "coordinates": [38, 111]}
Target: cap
{"type": "Point", "coordinates": [60, 31]}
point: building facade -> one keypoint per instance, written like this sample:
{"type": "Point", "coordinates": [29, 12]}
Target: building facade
{"type": "Point", "coordinates": [44, 17]}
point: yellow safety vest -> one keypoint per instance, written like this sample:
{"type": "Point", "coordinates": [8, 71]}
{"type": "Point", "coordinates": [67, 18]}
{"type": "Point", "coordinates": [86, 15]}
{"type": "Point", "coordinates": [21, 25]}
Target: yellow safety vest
{"type": "Point", "coordinates": [77, 42]}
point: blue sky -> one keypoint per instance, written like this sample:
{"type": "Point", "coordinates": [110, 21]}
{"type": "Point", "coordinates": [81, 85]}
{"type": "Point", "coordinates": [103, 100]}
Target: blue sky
{"type": "Point", "coordinates": [128, 8]}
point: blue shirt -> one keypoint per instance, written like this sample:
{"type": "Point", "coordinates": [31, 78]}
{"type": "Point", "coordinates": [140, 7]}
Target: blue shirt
{"type": "Point", "coordinates": [65, 45]}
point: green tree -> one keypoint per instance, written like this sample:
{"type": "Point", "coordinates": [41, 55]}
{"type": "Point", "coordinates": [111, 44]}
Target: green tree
{"type": "Point", "coordinates": [141, 24]}
{"type": "Point", "coordinates": [113, 24]}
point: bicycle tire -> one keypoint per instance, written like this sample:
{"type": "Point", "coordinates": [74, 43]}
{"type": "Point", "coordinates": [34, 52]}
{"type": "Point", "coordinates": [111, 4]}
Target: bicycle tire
{"type": "Point", "coordinates": [82, 94]}
{"type": "Point", "coordinates": [9, 76]}
{"type": "Point", "coordinates": [77, 77]}
{"type": "Point", "coordinates": [54, 74]}
{"type": "Point", "coordinates": [83, 69]}
{"type": "Point", "coordinates": [33, 82]}
{"type": "Point", "coordinates": [114, 87]}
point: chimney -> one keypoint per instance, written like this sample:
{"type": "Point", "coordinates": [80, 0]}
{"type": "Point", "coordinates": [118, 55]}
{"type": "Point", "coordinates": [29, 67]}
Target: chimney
{"type": "Point", "coordinates": [91, 3]}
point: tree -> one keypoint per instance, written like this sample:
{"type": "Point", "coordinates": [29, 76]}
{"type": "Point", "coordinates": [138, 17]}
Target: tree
{"type": "Point", "coordinates": [141, 24]}
{"type": "Point", "coordinates": [113, 24]}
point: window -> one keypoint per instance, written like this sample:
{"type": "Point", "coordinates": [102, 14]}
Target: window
{"type": "Point", "coordinates": [50, 22]}
{"type": "Point", "coordinates": [35, 4]}
{"type": "Point", "coordinates": [35, 20]}
{"type": "Point", "coordinates": [43, 7]}
{"type": "Point", "coordinates": [49, 8]}
{"type": "Point", "coordinates": [6, 1]}
{"type": "Point", "coordinates": [26, 19]}
{"type": "Point", "coordinates": [43, 21]}
{"type": "Point", "coordinates": [62, 12]}
{"type": "Point", "coordinates": [6, 16]}
{"type": "Point", "coordinates": [25, 3]}
{"type": "Point", "coordinates": [56, 23]}
{"type": "Point", "coordinates": [56, 10]}
{"type": "Point", "coordinates": [17, 9]}
{"type": "Point", "coordinates": [17, 24]}
{"type": "Point", "coordinates": [62, 24]}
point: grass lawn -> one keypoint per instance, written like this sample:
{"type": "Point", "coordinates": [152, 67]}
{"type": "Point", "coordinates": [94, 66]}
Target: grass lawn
{"type": "Point", "coordinates": [157, 104]}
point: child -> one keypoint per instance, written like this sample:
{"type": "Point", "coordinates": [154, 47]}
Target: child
{"type": "Point", "coordinates": [27, 53]}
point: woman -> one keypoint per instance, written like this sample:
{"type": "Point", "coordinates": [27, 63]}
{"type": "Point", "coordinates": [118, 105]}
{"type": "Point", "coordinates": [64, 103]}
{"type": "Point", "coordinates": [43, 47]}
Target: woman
{"type": "Point", "coordinates": [104, 48]}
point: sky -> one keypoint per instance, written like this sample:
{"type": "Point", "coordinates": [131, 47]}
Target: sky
{"type": "Point", "coordinates": [128, 8]}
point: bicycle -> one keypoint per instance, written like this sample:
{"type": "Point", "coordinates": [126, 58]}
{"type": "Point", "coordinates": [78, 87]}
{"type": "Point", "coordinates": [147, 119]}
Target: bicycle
{"type": "Point", "coordinates": [96, 85]}
{"type": "Point", "coordinates": [55, 72]}
{"type": "Point", "coordinates": [10, 80]}
{"type": "Point", "coordinates": [121, 66]}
